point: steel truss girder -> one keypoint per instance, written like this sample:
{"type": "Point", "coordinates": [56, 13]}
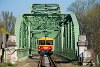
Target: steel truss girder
{"type": "Point", "coordinates": [43, 21]}
{"type": "Point", "coordinates": [69, 35]}
{"type": "Point", "coordinates": [59, 19]}
{"type": "Point", "coordinates": [66, 26]}
{"type": "Point", "coordinates": [45, 9]}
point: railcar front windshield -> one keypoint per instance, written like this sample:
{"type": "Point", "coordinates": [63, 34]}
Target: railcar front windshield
{"type": "Point", "coordinates": [49, 42]}
{"type": "Point", "coordinates": [41, 42]}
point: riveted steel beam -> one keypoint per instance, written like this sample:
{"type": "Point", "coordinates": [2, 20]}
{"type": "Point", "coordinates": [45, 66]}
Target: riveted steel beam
{"type": "Point", "coordinates": [47, 20]}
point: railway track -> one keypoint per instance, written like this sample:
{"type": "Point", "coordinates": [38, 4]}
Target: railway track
{"type": "Point", "coordinates": [46, 61]}
{"type": "Point", "coordinates": [40, 64]}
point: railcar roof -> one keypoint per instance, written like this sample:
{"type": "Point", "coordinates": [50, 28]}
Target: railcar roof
{"type": "Point", "coordinates": [43, 38]}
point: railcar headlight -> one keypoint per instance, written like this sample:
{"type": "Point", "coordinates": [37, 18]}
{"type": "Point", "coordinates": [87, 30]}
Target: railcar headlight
{"type": "Point", "coordinates": [39, 47]}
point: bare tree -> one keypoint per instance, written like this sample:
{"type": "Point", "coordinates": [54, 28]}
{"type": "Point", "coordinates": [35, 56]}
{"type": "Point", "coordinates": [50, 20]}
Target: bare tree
{"type": "Point", "coordinates": [9, 20]}
{"type": "Point", "coordinates": [93, 24]}
{"type": "Point", "coordinates": [80, 7]}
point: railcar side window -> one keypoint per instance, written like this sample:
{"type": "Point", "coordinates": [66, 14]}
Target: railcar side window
{"type": "Point", "coordinates": [49, 42]}
{"type": "Point", "coordinates": [41, 42]}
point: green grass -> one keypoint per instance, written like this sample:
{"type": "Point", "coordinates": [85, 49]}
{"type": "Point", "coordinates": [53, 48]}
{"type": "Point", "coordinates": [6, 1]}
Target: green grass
{"type": "Point", "coordinates": [7, 65]}
{"type": "Point", "coordinates": [3, 65]}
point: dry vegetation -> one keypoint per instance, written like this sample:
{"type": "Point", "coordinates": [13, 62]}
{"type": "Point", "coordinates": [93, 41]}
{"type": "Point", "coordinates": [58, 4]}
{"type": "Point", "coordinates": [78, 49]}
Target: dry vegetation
{"type": "Point", "coordinates": [88, 15]}
{"type": "Point", "coordinates": [92, 21]}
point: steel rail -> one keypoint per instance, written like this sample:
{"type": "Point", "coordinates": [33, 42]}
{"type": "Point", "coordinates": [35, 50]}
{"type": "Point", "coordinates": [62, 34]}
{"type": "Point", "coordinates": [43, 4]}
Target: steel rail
{"type": "Point", "coordinates": [40, 64]}
{"type": "Point", "coordinates": [51, 62]}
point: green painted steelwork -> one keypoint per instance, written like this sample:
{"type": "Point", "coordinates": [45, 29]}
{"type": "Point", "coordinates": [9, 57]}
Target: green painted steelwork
{"type": "Point", "coordinates": [45, 9]}
{"type": "Point", "coordinates": [68, 37]}
{"type": "Point", "coordinates": [46, 20]}
{"type": "Point", "coordinates": [97, 61]}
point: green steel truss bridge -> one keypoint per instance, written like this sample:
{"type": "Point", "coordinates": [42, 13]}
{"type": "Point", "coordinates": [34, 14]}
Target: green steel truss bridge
{"type": "Point", "coordinates": [46, 20]}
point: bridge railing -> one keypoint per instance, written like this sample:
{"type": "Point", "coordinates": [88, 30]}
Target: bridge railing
{"type": "Point", "coordinates": [97, 61]}
{"type": "Point", "coordinates": [68, 53]}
